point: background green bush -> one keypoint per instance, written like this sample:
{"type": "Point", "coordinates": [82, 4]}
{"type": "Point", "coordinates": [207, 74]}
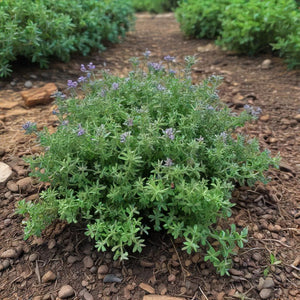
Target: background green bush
{"type": "Point", "coordinates": [39, 30]}
{"type": "Point", "coordinates": [246, 26]}
{"type": "Point", "coordinates": [154, 6]}
{"type": "Point", "coordinates": [150, 151]}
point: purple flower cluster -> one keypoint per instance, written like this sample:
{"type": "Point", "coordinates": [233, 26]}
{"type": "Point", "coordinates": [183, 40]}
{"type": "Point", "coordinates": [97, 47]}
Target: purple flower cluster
{"type": "Point", "coordinates": [55, 112]}
{"type": "Point", "coordinates": [147, 53]}
{"type": "Point", "coordinates": [223, 136]}
{"type": "Point", "coordinates": [129, 123]}
{"type": "Point", "coordinates": [65, 123]}
{"type": "Point", "coordinates": [253, 111]}
{"type": "Point", "coordinates": [115, 86]}
{"type": "Point", "coordinates": [124, 136]}
{"type": "Point", "coordinates": [72, 84]}
{"type": "Point", "coordinates": [155, 66]}
{"type": "Point", "coordinates": [172, 72]}
{"type": "Point", "coordinates": [80, 130]}
{"type": "Point", "coordinates": [28, 125]}
{"type": "Point", "coordinates": [169, 58]}
{"type": "Point", "coordinates": [170, 133]}
{"type": "Point", "coordinates": [81, 79]}
{"type": "Point", "coordinates": [168, 162]}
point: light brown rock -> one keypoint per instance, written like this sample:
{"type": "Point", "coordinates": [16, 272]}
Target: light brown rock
{"type": "Point", "coordinates": [41, 95]}
{"type": "Point", "coordinates": [66, 291]}
{"type": "Point", "coordinates": [103, 269]}
{"type": "Point", "coordinates": [266, 64]}
{"type": "Point", "coordinates": [10, 253]}
{"type": "Point", "coordinates": [265, 293]}
{"type": "Point", "coordinates": [12, 186]}
{"type": "Point", "coordinates": [146, 287]}
{"type": "Point", "coordinates": [24, 184]}
{"type": "Point", "coordinates": [5, 173]}
{"type": "Point", "coordinates": [48, 277]}
{"type": "Point", "coordinates": [88, 296]}
{"type": "Point", "coordinates": [88, 262]}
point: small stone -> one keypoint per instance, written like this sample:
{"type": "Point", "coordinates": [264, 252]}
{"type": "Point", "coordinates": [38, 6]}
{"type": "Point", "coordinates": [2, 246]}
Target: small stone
{"type": "Point", "coordinates": [4, 265]}
{"type": "Point", "coordinates": [196, 258]}
{"type": "Point", "coordinates": [28, 84]}
{"type": "Point", "coordinates": [12, 186]}
{"type": "Point", "coordinates": [88, 296]}
{"type": "Point", "coordinates": [111, 278]}
{"type": "Point", "coordinates": [265, 118]}
{"type": "Point", "coordinates": [236, 272]}
{"type": "Point", "coordinates": [146, 287]}
{"type": "Point", "coordinates": [188, 262]}
{"type": "Point", "coordinates": [33, 257]}
{"type": "Point", "coordinates": [268, 283]}
{"type": "Point", "coordinates": [88, 262]}
{"type": "Point", "coordinates": [71, 259]}
{"type": "Point", "coordinates": [66, 291]}
{"type": "Point", "coordinates": [49, 276]}
{"type": "Point", "coordinates": [171, 278]}
{"type": "Point", "coordinates": [257, 256]}
{"type": "Point", "coordinates": [273, 140]}
{"type": "Point", "coordinates": [24, 184]}
{"type": "Point", "coordinates": [266, 64]}
{"type": "Point", "coordinates": [260, 283]}
{"type": "Point", "coordinates": [103, 269]}
{"type": "Point", "coordinates": [297, 117]}
{"type": "Point", "coordinates": [51, 244]}
{"type": "Point", "coordinates": [10, 253]}
{"type": "Point", "coordinates": [5, 173]}
{"type": "Point", "coordinates": [33, 76]}
{"type": "Point", "coordinates": [265, 293]}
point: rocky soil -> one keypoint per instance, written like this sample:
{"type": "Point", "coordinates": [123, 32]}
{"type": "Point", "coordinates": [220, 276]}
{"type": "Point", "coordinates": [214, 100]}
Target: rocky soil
{"type": "Point", "coordinates": [63, 263]}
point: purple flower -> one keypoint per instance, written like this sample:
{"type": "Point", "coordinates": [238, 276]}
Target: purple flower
{"type": "Point", "coordinates": [209, 107]}
{"type": "Point", "coordinates": [83, 68]}
{"type": "Point", "coordinates": [169, 132]}
{"type": "Point", "coordinates": [115, 86]}
{"type": "Point", "coordinates": [155, 66]}
{"type": "Point", "coordinates": [253, 111]}
{"type": "Point", "coordinates": [161, 87]}
{"type": "Point", "coordinates": [91, 66]}
{"type": "Point", "coordinates": [147, 53]}
{"type": "Point", "coordinates": [28, 125]}
{"type": "Point", "coordinates": [168, 162]}
{"type": "Point", "coordinates": [59, 95]}
{"type": "Point", "coordinates": [103, 93]}
{"type": "Point", "coordinates": [223, 136]}
{"type": "Point", "coordinates": [65, 123]}
{"type": "Point", "coordinates": [169, 58]}
{"type": "Point", "coordinates": [81, 79]}
{"type": "Point", "coordinates": [72, 84]}
{"type": "Point", "coordinates": [80, 130]}
{"type": "Point", "coordinates": [172, 72]}
{"type": "Point", "coordinates": [124, 136]}
{"type": "Point", "coordinates": [55, 112]}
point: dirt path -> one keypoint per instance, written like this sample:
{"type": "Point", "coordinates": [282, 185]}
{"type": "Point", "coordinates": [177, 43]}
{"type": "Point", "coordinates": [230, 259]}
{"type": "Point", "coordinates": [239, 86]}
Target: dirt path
{"type": "Point", "coordinates": [272, 212]}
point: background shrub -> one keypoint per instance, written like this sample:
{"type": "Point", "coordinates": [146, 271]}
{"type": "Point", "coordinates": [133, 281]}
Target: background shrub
{"type": "Point", "coordinates": [154, 6]}
{"type": "Point", "coordinates": [39, 30]}
{"type": "Point", "coordinates": [150, 151]}
{"type": "Point", "coordinates": [246, 26]}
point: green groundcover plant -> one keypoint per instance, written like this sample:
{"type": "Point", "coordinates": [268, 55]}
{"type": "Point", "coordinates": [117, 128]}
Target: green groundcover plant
{"type": "Point", "coordinates": [245, 26]}
{"type": "Point", "coordinates": [39, 30]}
{"type": "Point", "coordinates": [149, 151]}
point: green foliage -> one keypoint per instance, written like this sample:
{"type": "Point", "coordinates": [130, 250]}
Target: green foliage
{"type": "Point", "coordinates": [154, 6]}
{"type": "Point", "coordinates": [246, 26]}
{"type": "Point", "coordinates": [201, 19]}
{"type": "Point", "coordinates": [38, 30]}
{"type": "Point", "coordinates": [147, 151]}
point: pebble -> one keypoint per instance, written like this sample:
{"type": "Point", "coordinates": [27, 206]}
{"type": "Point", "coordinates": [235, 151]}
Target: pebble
{"type": "Point", "coordinates": [4, 265]}
{"type": "Point", "coordinates": [268, 283]}
{"type": "Point", "coordinates": [103, 269]}
{"type": "Point", "coordinates": [28, 84]}
{"type": "Point", "coordinates": [146, 287]}
{"type": "Point", "coordinates": [297, 117]}
{"type": "Point", "coordinates": [111, 278]}
{"type": "Point", "coordinates": [51, 244]}
{"type": "Point", "coordinates": [10, 253]}
{"type": "Point", "coordinates": [71, 259]}
{"type": "Point", "coordinates": [266, 64]}
{"type": "Point", "coordinates": [5, 173]}
{"type": "Point", "coordinates": [88, 262]}
{"type": "Point", "coordinates": [33, 257]}
{"type": "Point", "coordinates": [66, 291]}
{"type": "Point", "coordinates": [236, 272]}
{"type": "Point", "coordinates": [88, 296]}
{"type": "Point", "coordinates": [265, 293]}
{"type": "Point", "coordinates": [257, 256]}
{"type": "Point", "coordinates": [12, 186]}
{"type": "Point", "coordinates": [162, 289]}
{"type": "Point", "coordinates": [171, 278]}
{"type": "Point", "coordinates": [24, 184]}
{"type": "Point", "coordinates": [49, 276]}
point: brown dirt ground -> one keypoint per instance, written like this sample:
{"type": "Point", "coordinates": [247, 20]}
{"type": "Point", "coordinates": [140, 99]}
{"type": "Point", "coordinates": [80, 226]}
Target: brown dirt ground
{"type": "Point", "coordinates": [271, 212]}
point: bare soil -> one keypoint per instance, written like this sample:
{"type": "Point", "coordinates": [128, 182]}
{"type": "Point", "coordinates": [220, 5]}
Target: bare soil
{"type": "Point", "coordinates": [271, 212]}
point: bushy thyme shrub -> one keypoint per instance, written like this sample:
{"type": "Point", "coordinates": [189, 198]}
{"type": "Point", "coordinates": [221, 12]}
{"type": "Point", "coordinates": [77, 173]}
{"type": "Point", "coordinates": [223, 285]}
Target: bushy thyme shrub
{"type": "Point", "coordinates": [149, 151]}
{"type": "Point", "coordinates": [154, 6]}
{"type": "Point", "coordinates": [38, 30]}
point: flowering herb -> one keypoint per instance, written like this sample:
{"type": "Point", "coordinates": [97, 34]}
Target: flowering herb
{"type": "Point", "coordinates": [161, 87]}
{"type": "Point", "coordinates": [129, 123]}
{"type": "Point", "coordinates": [91, 66]}
{"type": "Point", "coordinates": [81, 79]}
{"type": "Point", "coordinates": [169, 132]}
{"type": "Point", "coordinates": [155, 66]}
{"type": "Point", "coordinates": [83, 68]}
{"type": "Point", "coordinates": [173, 72]}
{"type": "Point", "coordinates": [255, 112]}
{"type": "Point", "coordinates": [124, 136]}
{"type": "Point", "coordinates": [29, 127]}
{"type": "Point", "coordinates": [55, 112]}
{"type": "Point", "coordinates": [147, 53]}
{"type": "Point", "coordinates": [64, 122]}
